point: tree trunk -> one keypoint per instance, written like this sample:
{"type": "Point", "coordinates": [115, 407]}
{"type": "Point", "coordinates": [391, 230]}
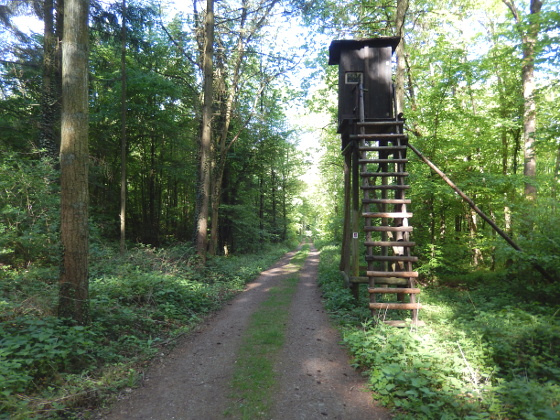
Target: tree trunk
{"type": "Point", "coordinates": [556, 178]}
{"type": "Point", "coordinates": [402, 7]}
{"type": "Point", "coordinates": [529, 39]}
{"type": "Point", "coordinates": [246, 33]}
{"type": "Point", "coordinates": [73, 302]}
{"type": "Point", "coordinates": [123, 131]}
{"type": "Point", "coordinates": [49, 136]}
{"type": "Point", "coordinates": [206, 135]}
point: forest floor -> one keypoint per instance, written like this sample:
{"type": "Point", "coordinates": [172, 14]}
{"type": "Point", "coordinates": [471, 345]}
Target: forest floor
{"type": "Point", "coordinates": [314, 378]}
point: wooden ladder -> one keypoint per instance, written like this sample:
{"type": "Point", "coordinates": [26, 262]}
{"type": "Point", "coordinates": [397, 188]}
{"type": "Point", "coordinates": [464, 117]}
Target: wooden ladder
{"type": "Point", "coordinates": [382, 160]}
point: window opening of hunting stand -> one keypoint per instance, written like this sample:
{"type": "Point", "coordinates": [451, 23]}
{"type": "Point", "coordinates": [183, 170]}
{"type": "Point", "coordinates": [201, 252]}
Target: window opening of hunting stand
{"type": "Point", "coordinates": [354, 77]}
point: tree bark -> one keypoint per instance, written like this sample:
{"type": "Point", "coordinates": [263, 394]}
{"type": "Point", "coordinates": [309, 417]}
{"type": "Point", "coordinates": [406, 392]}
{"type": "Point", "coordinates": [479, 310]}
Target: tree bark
{"type": "Point", "coordinates": [529, 39]}
{"type": "Point", "coordinates": [402, 7]}
{"type": "Point", "coordinates": [73, 299]}
{"type": "Point", "coordinates": [123, 132]}
{"type": "Point", "coordinates": [49, 136]}
{"type": "Point", "coordinates": [206, 135]}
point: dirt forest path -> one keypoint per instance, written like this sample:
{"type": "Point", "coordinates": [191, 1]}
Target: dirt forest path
{"type": "Point", "coordinates": [315, 380]}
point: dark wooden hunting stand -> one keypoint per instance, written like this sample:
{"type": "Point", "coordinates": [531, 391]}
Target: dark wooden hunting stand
{"type": "Point", "coordinates": [374, 149]}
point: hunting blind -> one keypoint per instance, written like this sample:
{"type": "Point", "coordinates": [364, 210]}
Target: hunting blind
{"type": "Point", "coordinates": [374, 148]}
{"type": "Point", "coordinates": [366, 61]}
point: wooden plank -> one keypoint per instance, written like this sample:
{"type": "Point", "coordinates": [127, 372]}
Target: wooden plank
{"type": "Point", "coordinates": [410, 290]}
{"type": "Point", "coordinates": [362, 161]}
{"type": "Point", "coordinates": [387, 201]}
{"type": "Point", "coordinates": [379, 123]}
{"type": "Point", "coordinates": [380, 136]}
{"type": "Point", "coordinates": [381, 148]}
{"type": "Point", "coordinates": [390, 243]}
{"type": "Point", "coordinates": [392, 258]}
{"type": "Point", "coordinates": [405, 306]}
{"type": "Point", "coordinates": [390, 215]}
{"type": "Point", "coordinates": [386, 174]}
{"type": "Point", "coordinates": [402, 274]}
{"type": "Point", "coordinates": [388, 228]}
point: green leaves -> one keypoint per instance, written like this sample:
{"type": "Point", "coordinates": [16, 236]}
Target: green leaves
{"type": "Point", "coordinates": [139, 304]}
{"type": "Point", "coordinates": [34, 351]}
{"type": "Point", "coordinates": [28, 211]}
{"type": "Point", "coordinates": [479, 357]}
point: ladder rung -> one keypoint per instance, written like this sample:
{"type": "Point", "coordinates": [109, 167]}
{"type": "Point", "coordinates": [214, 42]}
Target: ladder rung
{"type": "Point", "coordinates": [380, 148]}
{"type": "Point", "coordinates": [362, 161]}
{"type": "Point", "coordinates": [385, 174]}
{"type": "Point", "coordinates": [377, 123]}
{"type": "Point", "coordinates": [409, 290]}
{"type": "Point", "coordinates": [407, 306]}
{"type": "Point", "coordinates": [386, 201]}
{"type": "Point", "coordinates": [391, 258]}
{"type": "Point", "coordinates": [388, 228]}
{"type": "Point", "coordinates": [401, 274]}
{"type": "Point", "coordinates": [392, 215]}
{"type": "Point", "coordinates": [390, 243]}
{"type": "Point", "coordinates": [376, 136]}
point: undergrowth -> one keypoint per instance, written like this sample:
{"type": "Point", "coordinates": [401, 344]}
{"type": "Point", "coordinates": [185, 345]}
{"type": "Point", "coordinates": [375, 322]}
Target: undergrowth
{"type": "Point", "coordinates": [140, 304]}
{"type": "Point", "coordinates": [487, 351]}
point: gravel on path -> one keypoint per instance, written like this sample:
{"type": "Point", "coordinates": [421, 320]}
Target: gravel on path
{"type": "Point", "coordinates": [315, 378]}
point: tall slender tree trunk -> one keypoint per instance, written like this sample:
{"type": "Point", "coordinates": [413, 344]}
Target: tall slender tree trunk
{"type": "Point", "coordinates": [402, 7]}
{"type": "Point", "coordinates": [529, 39]}
{"type": "Point", "coordinates": [123, 131]}
{"type": "Point", "coordinates": [49, 138]}
{"type": "Point", "coordinates": [556, 177]}
{"type": "Point", "coordinates": [206, 135]}
{"type": "Point", "coordinates": [73, 299]}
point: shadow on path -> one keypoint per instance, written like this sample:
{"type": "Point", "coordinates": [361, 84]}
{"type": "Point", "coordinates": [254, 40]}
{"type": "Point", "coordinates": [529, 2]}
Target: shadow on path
{"type": "Point", "coordinates": [316, 380]}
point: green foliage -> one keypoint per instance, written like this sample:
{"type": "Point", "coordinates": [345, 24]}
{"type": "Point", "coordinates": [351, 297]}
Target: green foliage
{"type": "Point", "coordinates": [35, 352]}
{"type": "Point", "coordinates": [140, 304]}
{"type": "Point", "coordinates": [28, 211]}
{"type": "Point", "coordinates": [339, 301]}
{"type": "Point", "coordinates": [489, 351]}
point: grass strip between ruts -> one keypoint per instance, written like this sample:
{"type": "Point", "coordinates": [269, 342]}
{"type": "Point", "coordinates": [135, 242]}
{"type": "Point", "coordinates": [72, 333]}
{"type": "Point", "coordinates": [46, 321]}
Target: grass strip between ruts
{"type": "Point", "coordinates": [254, 378]}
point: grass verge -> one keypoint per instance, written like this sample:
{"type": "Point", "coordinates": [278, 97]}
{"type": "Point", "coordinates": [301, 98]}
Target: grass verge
{"type": "Point", "coordinates": [139, 304]}
{"type": "Point", "coordinates": [254, 378]}
{"type": "Point", "coordinates": [486, 352]}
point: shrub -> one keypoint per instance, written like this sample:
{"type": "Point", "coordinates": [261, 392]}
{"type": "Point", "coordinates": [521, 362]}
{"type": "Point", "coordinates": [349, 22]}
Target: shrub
{"type": "Point", "coordinates": [488, 351]}
{"type": "Point", "coordinates": [28, 211]}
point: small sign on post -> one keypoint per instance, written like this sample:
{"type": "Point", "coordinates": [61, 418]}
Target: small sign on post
{"type": "Point", "coordinates": [355, 235]}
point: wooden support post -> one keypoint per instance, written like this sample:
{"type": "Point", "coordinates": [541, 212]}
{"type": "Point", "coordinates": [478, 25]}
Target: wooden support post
{"type": "Point", "coordinates": [356, 205]}
{"type": "Point", "coordinates": [346, 230]}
